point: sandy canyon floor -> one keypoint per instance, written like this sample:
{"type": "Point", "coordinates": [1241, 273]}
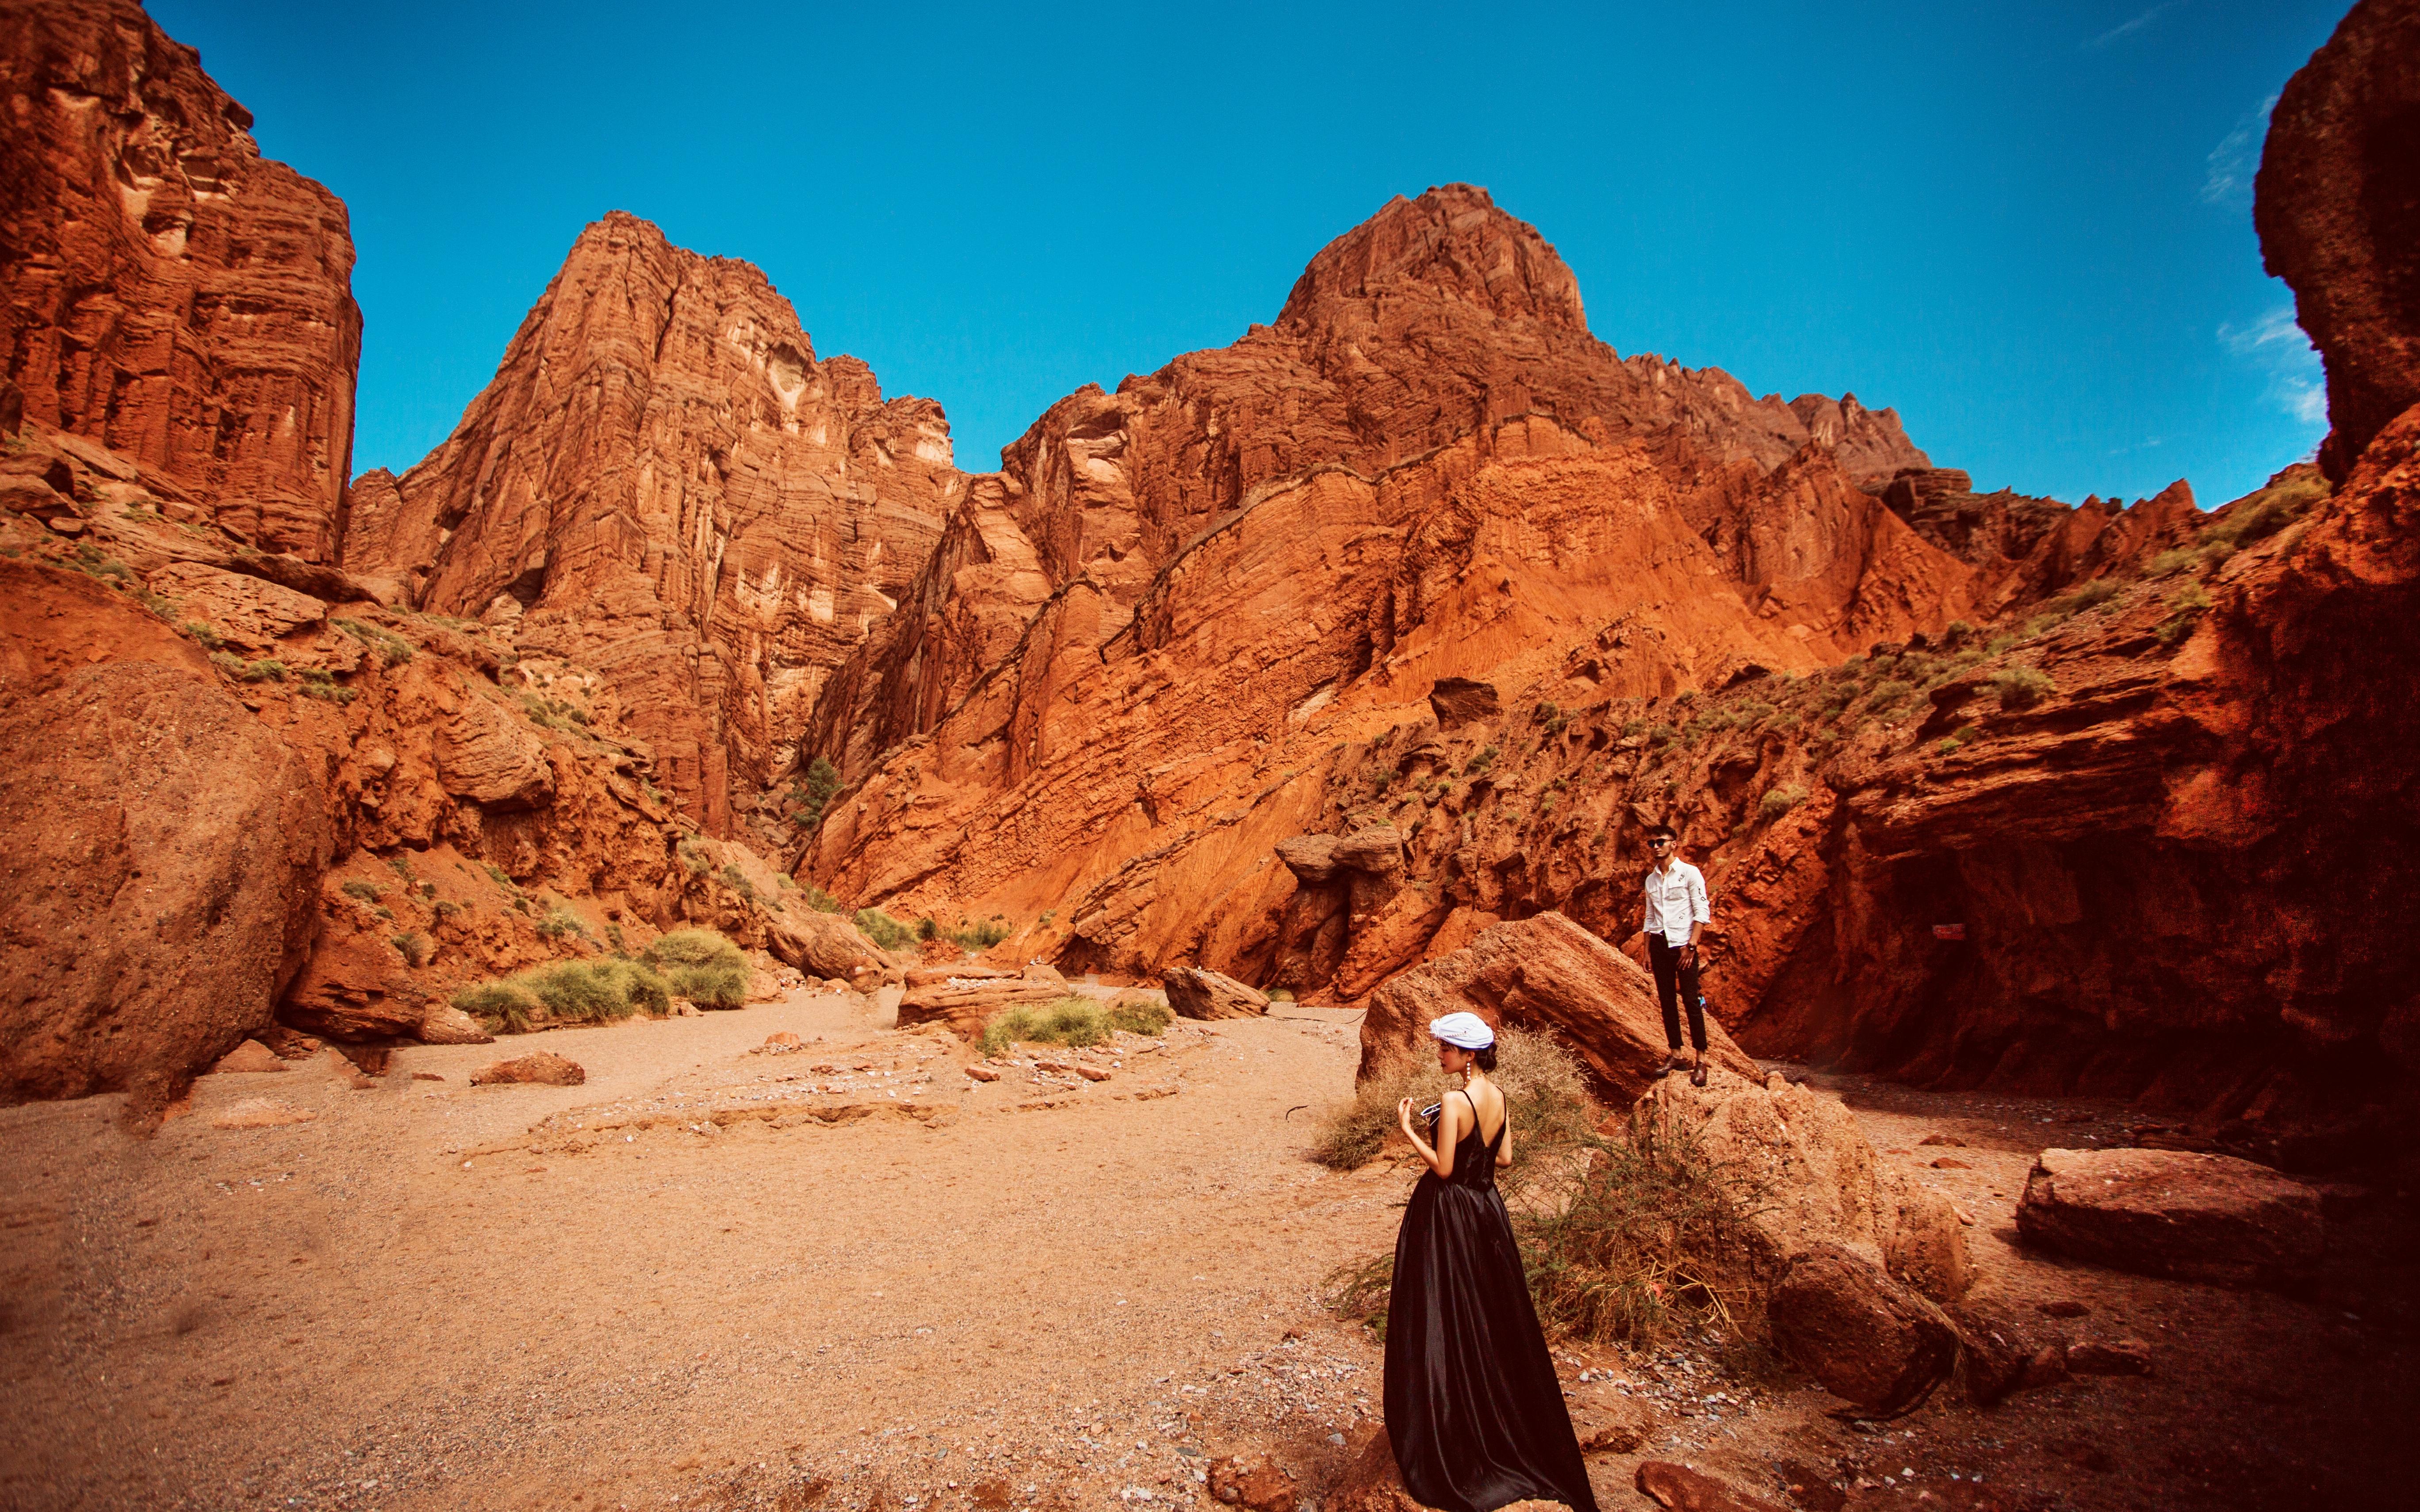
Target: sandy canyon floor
{"type": "Point", "coordinates": [846, 1276]}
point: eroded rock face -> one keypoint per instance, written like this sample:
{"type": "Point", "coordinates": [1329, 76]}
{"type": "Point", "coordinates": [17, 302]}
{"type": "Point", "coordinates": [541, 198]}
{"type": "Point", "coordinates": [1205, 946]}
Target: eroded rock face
{"type": "Point", "coordinates": [1426, 477]}
{"type": "Point", "coordinates": [1542, 973]}
{"type": "Point", "coordinates": [665, 485]}
{"type": "Point", "coordinates": [168, 291]}
{"type": "Point", "coordinates": [2173, 1212]}
{"type": "Point", "coordinates": [2337, 204]}
{"type": "Point", "coordinates": [163, 849]}
{"type": "Point", "coordinates": [1808, 1178]}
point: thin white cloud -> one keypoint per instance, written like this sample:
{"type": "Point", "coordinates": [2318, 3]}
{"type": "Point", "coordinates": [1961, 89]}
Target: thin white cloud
{"type": "Point", "coordinates": [2237, 158]}
{"type": "Point", "coordinates": [2126, 29]}
{"type": "Point", "coordinates": [2297, 381]}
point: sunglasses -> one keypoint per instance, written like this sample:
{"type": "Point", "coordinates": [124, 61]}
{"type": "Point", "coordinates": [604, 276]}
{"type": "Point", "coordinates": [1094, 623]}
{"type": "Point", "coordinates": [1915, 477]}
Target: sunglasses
{"type": "Point", "coordinates": [1660, 844]}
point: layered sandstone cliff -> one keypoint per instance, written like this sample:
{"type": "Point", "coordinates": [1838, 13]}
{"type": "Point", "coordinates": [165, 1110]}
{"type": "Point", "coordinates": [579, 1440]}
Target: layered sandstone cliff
{"type": "Point", "coordinates": [1123, 674]}
{"type": "Point", "coordinates": [164, 289]}
{"type": "Point", "coordinates": [665, 485]}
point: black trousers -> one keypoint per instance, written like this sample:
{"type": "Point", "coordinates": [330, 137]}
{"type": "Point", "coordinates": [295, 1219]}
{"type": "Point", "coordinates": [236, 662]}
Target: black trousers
{"type": "Point", "coordinates": [1675, 970]}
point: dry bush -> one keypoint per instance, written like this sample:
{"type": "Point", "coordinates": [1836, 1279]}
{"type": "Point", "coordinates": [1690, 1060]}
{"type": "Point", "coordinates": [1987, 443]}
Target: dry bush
{"type": "Point", "coordinates": [1071, 1021]}
{"type": "Point", "coordinates": [701, 967]}
{"type": "Point", "coordinates": [1621, 1242]}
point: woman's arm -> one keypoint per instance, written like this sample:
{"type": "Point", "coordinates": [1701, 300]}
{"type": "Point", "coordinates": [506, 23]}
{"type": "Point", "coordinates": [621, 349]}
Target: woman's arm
{"type": "Point", "coordinates": [1504, 1151]}
{"type": "Point", "coordinates": [1441, 1164]}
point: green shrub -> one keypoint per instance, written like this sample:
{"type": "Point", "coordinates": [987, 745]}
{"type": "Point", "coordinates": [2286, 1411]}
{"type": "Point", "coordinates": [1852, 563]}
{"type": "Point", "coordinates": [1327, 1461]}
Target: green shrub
{"type": "Point", "coordinates": [1633, 727]}
{"type": "Point", "coordinates": [202, 635]}
{"type": "Point", "coordinates": [1070, 1021]}
{"type": "Point", "coordinates": [1888, 694]}
{"type": "Point", "coordinates": [594, 992]}
{"type": "Point", "coordinates": [883, 929]}
{"type": "Point", "coordinates": [701, 967]}
{"type": "Point", "coordinates": [981, 936]}
{"type": "Point", "coordinates": [1780, 801]}
{"type": "Point", "coordinates": [2091, 595]}
{"type": "Point", "coordinates": [504, 1007]}
{"type": "Point", "coordinates": [693, 856]}
{"type": "Point", "coordinates": [267, 669]}
{"type": "Point", "coordinates": [2168, 564]}
{"type": "Point", "coordinates": [1949, 746]}
{"type": "Point", "coordinates": [560, 921]}
{"type": "Point", "coordinates": [2020, 688]}
{"type": "Point", "coordinates": [1485, 759]}
{"type": "Point", "coordinates": [815, 793]}
{"type": "Point", "coordinates": [393, 649]}
{"type": "Point", "coordinates": [1958, 631]}
{"type": "Point", "coordinates": [2186, 609]}
{"type": "Point", "coordinates": [367, 892]}
{"type": "Point", "coordinates": [737, 882]}
{"type": "Point", "coordinates": [414, 949]}
{"type": "Point", "coordinates": [447, 908]}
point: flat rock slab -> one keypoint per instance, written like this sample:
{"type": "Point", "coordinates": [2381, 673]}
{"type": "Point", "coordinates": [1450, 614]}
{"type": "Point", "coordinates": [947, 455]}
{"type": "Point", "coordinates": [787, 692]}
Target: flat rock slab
{"type": "Point", "coordinates": [1683, 1489]}
{"type": "Point", "coordinates": [2173, 1212]}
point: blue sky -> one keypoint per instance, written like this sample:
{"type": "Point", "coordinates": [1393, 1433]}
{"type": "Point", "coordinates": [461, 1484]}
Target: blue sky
{"type": "Point", "coordinates": [2027, 226]}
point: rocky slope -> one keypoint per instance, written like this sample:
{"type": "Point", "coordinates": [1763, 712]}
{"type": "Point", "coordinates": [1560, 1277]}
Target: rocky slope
{"type": "Point", "coordinates": [247, 801]}
{"type": "Point", "coordinates": [164, 289]}
{"type": "Point", "coordinates": [664, 484]}
{"type": "Point", "coordinates": [1426, 470]}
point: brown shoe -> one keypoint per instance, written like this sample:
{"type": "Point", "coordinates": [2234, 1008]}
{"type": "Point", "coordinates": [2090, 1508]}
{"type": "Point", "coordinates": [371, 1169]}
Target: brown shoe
{"type": "Point", "coordinates": [1698, 1075]}
{"type": "Point", "coordinates": [1672, 1063]}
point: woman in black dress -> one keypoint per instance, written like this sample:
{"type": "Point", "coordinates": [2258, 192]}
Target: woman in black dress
{"type": "Point", "coordinates": [1473, 1407]}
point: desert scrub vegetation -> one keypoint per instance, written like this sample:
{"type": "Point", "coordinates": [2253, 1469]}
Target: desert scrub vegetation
{"type": "Point", "coordinates": [322, 684]}
{"type": "Point", "coordinates": [2184, 611]}
{"type": "Point", "coordinates": [561, 922]}
{"type": "Point", "coordinates": [814, 793]}
{"type": "Point", "coordinates": [1780, 801]}
{"type": "Point", "coordinates": [980, 936]}
{"type": "Point", "coordinates": [883, 929]}
{"type": "Point", "coordinates": [2020, 688]}
{"type": "Point", "coordinates": [701, 965]}
{"type": "Point", "coordinates": [1072, 1021]}
{"type": "Point", "coordinates": [566, 992]}
{"type": "Point", "coordinates": [737, 881]}
{"type": "Point", "coordinates": [393, 649]}
{"type": "Point", "coordinates": [1622, 1242]}
{"type": "Point", "coordinates": [267, 669]}
{"type": "Point", "coordinates": [369, 892]}
{"type": "Point", "coordinates": [414, 948]}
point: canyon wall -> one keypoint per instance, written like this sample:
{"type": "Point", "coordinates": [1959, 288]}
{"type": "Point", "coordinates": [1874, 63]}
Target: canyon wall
{"type": "Point", "coordinates": [164, 289]}
{"type": "Point", "coordinates": [1129, 669]}
{"type": "Point", "coordinates": [664, 485]}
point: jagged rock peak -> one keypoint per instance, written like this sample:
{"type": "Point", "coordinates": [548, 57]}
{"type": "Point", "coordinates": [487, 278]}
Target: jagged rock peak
{"type": "Point", "coordinates": [1451, 241]}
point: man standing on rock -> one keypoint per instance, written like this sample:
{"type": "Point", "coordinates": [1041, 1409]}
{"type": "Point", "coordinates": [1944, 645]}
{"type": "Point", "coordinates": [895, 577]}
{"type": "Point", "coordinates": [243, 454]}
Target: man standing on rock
{"type": "Point", "coordinates": [1676, 912]}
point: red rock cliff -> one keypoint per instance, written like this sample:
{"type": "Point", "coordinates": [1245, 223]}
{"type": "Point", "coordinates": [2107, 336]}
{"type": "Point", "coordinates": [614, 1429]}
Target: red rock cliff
{"type": "Point", "coordinates": [164, 289]}
{"type": "Point", "coordinates": [663, 485]}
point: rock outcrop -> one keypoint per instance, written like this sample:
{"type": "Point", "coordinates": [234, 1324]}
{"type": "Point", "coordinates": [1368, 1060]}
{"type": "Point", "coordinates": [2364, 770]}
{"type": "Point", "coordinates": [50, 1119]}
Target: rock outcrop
{"type": "Point", "coordinates": [2173, 1212]}
{"type": "Point", "coordinates": [164, 289]}
{"type": "Point", "coordinates": [163, 849]}
{"type": "Point", "coordinates": [1836, 1316]}
{"type": "Point", "coordinates": [665, 485]}
{"type": "Point", "coordinates": [1426, 475]}
{"type": "Point", "coordinates": [2337, 204]}
{"type": "Point", "coordinates": [1543, 973]}
{"type": "Point", "coordinates": [1807, 1178]}
{"type": "Point", "coordinates": [1196, 994]}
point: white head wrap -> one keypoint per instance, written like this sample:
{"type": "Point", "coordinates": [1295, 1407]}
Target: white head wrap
{"type": "Point", "coordinates": [1466, 1031]}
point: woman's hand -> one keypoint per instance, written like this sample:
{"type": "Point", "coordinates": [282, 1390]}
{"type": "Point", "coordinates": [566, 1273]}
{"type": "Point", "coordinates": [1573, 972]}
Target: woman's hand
{"type": "Point", "coordinates": [1404, 1114]}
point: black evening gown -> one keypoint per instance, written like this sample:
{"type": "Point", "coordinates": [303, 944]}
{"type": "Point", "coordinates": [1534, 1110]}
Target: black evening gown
{"type": "Point", "coordinates": [1473, 1407]}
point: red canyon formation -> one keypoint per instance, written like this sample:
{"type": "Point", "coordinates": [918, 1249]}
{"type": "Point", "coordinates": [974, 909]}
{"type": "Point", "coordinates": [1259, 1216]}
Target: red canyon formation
{"type": "Point", "coordinates": [1306, 659]}
{"type": "Point", "coordinates": [664, 485]}
{"type": "Point", "coordinates": [164, 289]}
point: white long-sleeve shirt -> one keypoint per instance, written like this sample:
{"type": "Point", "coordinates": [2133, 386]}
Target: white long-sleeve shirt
{"type": "Point", "coordinates": [1676, 899]}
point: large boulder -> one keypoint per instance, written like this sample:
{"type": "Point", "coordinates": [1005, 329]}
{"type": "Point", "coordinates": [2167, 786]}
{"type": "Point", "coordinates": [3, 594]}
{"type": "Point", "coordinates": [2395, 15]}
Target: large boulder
{"type": "Point", "coordinates": [1680, 1488]}
{"type": "Point", "coordinates": [2337, 205]}
{"type": "Point", "coordinates": [488, 757]}
{"type": "Point", "coordinates": [163, 851]}
{"type": "Point", "coordinates": [1197, 993]}
{"type": "Point", "coordinates": [1808, 1178]}
{"type": "Point", "coordinates": [2172, 1212]}
{"type": "Point", "coordinates": [1542, 973]}
{"type": "Point", "coordinates": [966, 1001]}
{"type": "Point", "coordinates": [821, 945]}
{"type": "Point", "coordinates": [539, 1068]}
{"type": "Point", "coordinates": [1842, 1320]}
